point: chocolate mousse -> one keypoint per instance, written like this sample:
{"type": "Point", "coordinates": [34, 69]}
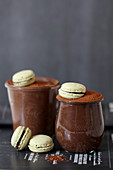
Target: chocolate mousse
{"type": "Point", "coordinates": [79, 125]}
{"type": "Point", "coordinates": [34, 106]}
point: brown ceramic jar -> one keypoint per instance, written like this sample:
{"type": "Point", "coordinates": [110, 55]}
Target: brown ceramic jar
{"type": "Point", "coordinates": [79, 125]}
{"type": "Point", "coordinates": [34, 106]}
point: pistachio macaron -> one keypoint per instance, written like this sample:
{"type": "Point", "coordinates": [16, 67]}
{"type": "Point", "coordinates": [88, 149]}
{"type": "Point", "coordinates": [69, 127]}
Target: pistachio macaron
{"type": "Point", "coordinates": [71, 90]}
{"type": "Point", "coordinates": [23, 78]}
{"type": "Point", "coordinates": [20, 137]}
{"type": "Point", "coordinates": [41, 143]}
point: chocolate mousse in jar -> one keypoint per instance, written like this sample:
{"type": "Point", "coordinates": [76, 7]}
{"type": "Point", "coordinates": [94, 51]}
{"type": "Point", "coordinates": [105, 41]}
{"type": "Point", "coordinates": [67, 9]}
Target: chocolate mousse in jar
{"type": "Point", "coordinates": [79, 125]}
{"type": "Point", "coordinates": [34, 105]}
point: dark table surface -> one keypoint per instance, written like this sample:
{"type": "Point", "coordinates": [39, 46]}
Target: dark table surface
{"type": "Point", "coordinates": [10, 158]}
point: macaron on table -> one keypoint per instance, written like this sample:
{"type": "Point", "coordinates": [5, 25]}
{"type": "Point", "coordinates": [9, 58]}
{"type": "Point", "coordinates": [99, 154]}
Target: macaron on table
{"type": "Point", "coordinates": [20, 137]}
{"type": "Point", "coordinates": [41, 143]}
{"type": "Point", "coordinates": [38, 143]}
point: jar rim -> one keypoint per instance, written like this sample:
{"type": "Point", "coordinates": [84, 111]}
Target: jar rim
{"type": "Point", "coordinates": [55, 84]}
{"type": "Point", "coordinates": [89, 97]}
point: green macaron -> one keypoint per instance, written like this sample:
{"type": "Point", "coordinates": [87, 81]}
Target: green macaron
{"type": "Point", "coordinates": [20, 137]}
{"type": "Point", "coordinates": [23, 78]}
{"type": "Point", "coordinates": [41, 143]}
{"type": "Point", "coordinates": [71, 90]}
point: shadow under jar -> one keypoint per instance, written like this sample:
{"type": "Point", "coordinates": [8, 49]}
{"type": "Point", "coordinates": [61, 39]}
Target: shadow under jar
{"type": "Point", "coordinates": [79, 125]}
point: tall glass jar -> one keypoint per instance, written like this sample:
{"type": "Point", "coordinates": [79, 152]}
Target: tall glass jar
{"type": "Point", "coordinates": [34, 106]}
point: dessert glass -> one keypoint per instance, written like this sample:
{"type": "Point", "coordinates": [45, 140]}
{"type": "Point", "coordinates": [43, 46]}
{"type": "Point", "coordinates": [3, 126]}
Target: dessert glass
{"type": "Point", "coordinates": [79, 126]}
{"type": "Point", "coordinates": [34, 106]}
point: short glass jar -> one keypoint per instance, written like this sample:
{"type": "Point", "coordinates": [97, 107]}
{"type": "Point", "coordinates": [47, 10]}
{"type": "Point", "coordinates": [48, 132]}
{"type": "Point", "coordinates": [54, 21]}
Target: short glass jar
{"type": "Point", "coordinates": [79, 125]}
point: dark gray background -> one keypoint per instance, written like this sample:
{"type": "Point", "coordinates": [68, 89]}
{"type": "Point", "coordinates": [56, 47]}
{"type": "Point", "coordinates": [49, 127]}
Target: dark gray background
{"type": "Point", "coordinates": [69, 40]}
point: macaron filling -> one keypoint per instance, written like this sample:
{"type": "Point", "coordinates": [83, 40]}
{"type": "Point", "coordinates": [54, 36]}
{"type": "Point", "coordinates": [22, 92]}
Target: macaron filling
{"type": "Point", "coordinates": [42, 147]}
{"type": "Point", "coordinates": [32, 80]}
{"type": "Point", "coordinates": [24, 80]}
{"type": "Point", "coordinates": [72, 92]}
{"type": "Point", "coordinates": [18, 143]}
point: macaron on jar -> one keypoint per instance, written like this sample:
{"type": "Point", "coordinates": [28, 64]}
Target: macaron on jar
{"type": "Point", "coordinates": [79, 125]}
{"type": "Point", "coordinates": [33, 101]}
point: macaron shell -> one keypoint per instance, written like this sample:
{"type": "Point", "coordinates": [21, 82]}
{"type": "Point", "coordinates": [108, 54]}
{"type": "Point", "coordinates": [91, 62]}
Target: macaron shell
{"type": "Point", "coordinates": [16, 136]}
{"type": "Point", "coordinates": [23, 75]}
{"type": "Point", "coordinates": [25, 139]}
{"type": "Point", "coordinates": [69, 95]}
{"type": "Point", "coordinates": [40, 140]}
{"type": "Point", "coordinates": [41, 149]}
{"type": "Point", "coordinates": [73, 87]}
